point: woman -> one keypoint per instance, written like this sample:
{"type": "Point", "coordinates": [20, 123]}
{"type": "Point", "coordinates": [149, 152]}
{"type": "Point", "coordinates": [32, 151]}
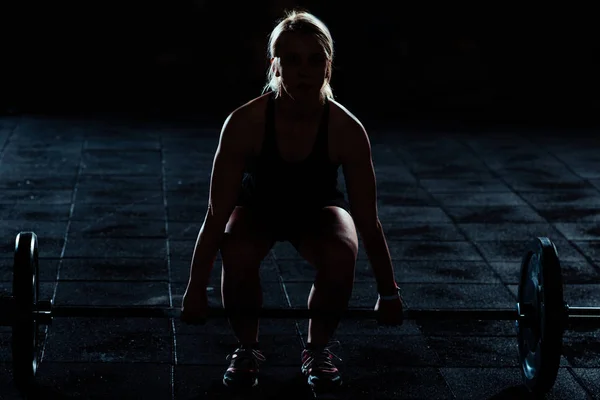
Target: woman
{"type": "Point", "coordinates": [274, 178]}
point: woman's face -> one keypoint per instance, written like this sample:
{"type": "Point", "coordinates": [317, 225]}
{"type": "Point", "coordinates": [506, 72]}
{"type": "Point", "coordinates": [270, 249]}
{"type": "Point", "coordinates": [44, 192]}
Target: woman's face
{"type": "Point", "coordinates": [302, 65]}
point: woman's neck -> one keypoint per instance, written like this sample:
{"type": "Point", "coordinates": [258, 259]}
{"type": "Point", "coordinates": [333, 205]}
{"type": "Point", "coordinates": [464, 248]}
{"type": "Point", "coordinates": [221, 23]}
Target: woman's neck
{"type": "Point", "coordinates": [298, 109]}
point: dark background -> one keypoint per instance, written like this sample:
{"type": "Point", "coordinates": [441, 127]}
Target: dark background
{"type": "Point", "coordinates": [205, 57]}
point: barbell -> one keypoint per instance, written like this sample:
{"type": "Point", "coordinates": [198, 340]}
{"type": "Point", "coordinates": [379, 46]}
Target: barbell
{"type": "Point", "coordinates": [540, 314]}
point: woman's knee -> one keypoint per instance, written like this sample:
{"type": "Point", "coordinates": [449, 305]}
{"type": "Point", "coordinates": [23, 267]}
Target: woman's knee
{"type": "Point", "coordinates": [336, 260]}
{"type": "Point", "coordinates": [243, 246]}
{"type": "Point", "coordinates": [241, 257]}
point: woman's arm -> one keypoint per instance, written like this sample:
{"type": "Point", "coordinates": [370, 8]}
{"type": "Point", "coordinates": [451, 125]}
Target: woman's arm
{"type": "Point", "coordinates": [227, 172]}
{"type": "Point", "coordinates": [359, 175]}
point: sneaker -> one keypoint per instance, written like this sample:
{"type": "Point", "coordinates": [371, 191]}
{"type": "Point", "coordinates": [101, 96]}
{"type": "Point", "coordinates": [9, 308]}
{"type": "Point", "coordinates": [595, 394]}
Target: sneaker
{"type": "Point", "coordinates": [243, 369]}
{"type": "Point", "coordinates": [318, 367]}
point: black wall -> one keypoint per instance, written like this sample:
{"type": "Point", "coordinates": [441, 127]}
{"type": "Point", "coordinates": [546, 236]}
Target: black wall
{"type": "Point", "coordinates": [208, 57]}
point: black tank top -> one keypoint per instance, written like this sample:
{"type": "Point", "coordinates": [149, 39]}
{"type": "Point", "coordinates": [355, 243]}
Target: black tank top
{"type": "Point", "coordinates": [271, 183]}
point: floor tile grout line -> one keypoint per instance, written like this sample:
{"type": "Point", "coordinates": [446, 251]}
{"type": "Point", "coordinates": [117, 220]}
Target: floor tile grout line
{"type": "Point", "coordinates": [115, 211]}
{"type": "Point", "coordinates": [283, 287]}
{"type": "Point", "coordinates": [8, 137]}
{"type": "Point", "coordinates": [398, 153]}
{"type": "Point", "coordinates": [566, 164]}
{"type": "Point", "coordinates": [166, 218]}
{"type": "Point", "coordinates": [440, 370]}
{"type": "Point", "coordinates": [584, 385]}
{"type": "Point", "coordinates": [494, 173]}
{"type": "Point", "coordinates": [66, 238]}
{"type": "Point", "coordinates": [292, 365]}
{"type": "Point", "coordinates": [168, 253]}
{"type": "Point", "coordinates": [287, 281]}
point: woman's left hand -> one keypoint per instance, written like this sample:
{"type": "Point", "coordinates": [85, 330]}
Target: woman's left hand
{"type": "Point", "coordinates": [389, 312]}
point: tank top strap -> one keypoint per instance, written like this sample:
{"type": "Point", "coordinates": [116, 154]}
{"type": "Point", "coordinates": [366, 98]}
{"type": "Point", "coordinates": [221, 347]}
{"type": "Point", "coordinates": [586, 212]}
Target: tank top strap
{"type": "Point", "coordinates": [322, 146]}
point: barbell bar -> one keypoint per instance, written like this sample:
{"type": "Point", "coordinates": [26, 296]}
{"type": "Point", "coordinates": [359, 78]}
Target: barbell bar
{"type": "Point", "coordinates": [540, 315]}
{"type": "Point", "coordinates": [46, 311]}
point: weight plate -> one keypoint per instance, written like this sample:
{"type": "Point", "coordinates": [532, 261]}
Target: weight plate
{"type": "Point", "coordinates": [25, 292]}
{"type": "Point", "coordinates": [541, 295]}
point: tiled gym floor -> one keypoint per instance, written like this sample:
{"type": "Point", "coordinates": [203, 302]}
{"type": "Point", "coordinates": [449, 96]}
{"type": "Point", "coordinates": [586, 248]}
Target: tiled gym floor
{"type": "Point", "coordinates": [117, 207]}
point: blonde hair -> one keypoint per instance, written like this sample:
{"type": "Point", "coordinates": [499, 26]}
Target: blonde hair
{"type": "Point", "coordinates": [303, 22]}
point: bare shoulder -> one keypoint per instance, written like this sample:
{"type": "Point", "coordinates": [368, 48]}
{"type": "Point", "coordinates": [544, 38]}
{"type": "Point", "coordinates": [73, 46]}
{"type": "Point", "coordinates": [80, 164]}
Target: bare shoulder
{"type": "Point", "coordinates": [349, 136]}
{"type": "Point", "coordinates": [244, 124]}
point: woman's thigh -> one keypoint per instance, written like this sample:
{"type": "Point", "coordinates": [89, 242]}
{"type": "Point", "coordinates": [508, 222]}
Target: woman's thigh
{"type": "Point", "coordinates": [246, 241]}
{"type": "Point", "coordinates": [329, 235]}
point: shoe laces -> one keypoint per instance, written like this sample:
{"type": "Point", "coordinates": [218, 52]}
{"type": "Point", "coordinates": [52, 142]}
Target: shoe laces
{"type": "Point", "coordinates": [242, 353]}
{"type": "Point", "coordinates": [323, 358]}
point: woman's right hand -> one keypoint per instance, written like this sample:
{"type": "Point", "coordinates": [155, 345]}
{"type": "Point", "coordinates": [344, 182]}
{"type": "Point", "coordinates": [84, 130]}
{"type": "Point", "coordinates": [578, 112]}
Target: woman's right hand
{"type": "Point", "coordinates": [194, 307]}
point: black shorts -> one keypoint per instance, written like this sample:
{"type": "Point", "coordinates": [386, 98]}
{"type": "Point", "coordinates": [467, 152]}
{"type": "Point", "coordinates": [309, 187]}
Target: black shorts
{"type": "Point", "coordinates": [288, 222]}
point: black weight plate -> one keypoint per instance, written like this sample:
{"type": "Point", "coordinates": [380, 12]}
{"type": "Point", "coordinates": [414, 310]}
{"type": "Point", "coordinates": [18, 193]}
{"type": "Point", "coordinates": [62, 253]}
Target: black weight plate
{"type": "Point", "coordinates": [541, 292]}
{"type": "Point", "coordinates": [25, 292]}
